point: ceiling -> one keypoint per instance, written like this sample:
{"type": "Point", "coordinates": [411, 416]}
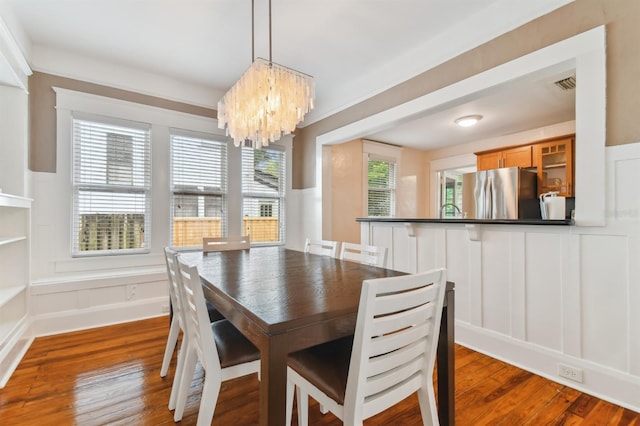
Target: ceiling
{"type": "Point", "coordinates": [353, 48]}
{"type": "Point", "coordinates": [529, 103]}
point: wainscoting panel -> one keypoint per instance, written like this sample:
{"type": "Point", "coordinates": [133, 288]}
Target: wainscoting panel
{"type": "Point", "coordinates": [496, 259]}
{"type": "Point", "coordinates": [457, 258]}
{"type": "Point", "coordinates": [544, 258]}
{"type": "Point", "coordinates": [74, 304]}
{"type": "Point", "coordinates": [605, 298]}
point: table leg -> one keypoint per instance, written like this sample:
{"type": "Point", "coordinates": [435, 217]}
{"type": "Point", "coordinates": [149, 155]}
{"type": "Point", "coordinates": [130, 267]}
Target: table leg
{"type": "Point", "coordinates": [273, 381]}
{"type": "Point", "coordinates": [446, 360]}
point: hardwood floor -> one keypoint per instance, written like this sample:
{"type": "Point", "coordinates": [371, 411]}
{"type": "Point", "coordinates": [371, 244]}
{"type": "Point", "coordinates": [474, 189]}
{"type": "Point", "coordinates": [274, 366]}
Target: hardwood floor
{"type": "Point", "coordinates": [110, 375]}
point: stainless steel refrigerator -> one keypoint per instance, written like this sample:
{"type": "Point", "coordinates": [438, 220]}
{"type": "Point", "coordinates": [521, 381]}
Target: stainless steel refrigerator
{"type": "Point", "coordinates": [507, 193]}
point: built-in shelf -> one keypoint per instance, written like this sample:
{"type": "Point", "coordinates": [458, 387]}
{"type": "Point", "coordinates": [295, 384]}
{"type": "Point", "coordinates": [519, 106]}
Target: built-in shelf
{"type": "Point", "coordinates": [8, 200]}
{"type": "Point", "coordinates": [14, 267]}
{"type": "Point", "coordinates": [554, 166]}
{"type": "Point", "coordinates": [9, 240]}
{"type": "Point", "coordinates": [8, 293]}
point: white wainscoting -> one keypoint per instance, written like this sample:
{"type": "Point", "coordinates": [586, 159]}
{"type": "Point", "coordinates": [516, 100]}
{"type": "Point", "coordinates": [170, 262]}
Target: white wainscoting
{"type": "Point", "coordinates": [79, 303]}
{"type": "Point", "coordinates": [536, 296]}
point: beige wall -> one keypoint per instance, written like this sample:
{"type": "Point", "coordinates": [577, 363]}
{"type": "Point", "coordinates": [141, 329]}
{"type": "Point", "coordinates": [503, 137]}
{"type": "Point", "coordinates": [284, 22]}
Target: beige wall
{"type": "Point", "coordinates": [621, 18]}
{"type": "Point", "coordinates": [348, 188]}
{"type": "Point", "coordinates": [42, 113]}
{"type": "Point", "coordinates": [347, 191]}
{"type": "Point", "coordinates": [412, 193]}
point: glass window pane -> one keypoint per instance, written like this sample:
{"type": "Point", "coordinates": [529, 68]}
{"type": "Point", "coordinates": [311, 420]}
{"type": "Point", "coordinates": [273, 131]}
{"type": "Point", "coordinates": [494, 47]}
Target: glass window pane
{"type": "Point", "coordinates": [198, 185]}
{"type": "Point", "coordinates": [381, 178]}
{"type": "Point", "coordinates": [111, 187]}
{"type": "Point", "coordinates": [263, 188]}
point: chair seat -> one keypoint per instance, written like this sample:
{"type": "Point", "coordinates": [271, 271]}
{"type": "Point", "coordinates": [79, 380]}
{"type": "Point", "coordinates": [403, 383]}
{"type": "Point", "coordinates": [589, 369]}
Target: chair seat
{"type": "Point", "coordinates": [325, 366]}
{"type": "Point", "coordinates": [233, 347]}
{"type": "Point", "coordinates": [214, 314]}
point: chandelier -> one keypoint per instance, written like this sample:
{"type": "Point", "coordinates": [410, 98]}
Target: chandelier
{"type": "Point", "coordinates": [267, 102]}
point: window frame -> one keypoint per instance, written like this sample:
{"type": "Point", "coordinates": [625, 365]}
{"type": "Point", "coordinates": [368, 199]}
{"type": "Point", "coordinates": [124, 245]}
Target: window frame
{"type": "Point", "coordinates": [390, 188]}
{"type": "Point", "coordinates": [279, 198]}
{"type": "Point", "coordinates": [223, 192]}
{"type": "Point", "coordinates": [78, 185]}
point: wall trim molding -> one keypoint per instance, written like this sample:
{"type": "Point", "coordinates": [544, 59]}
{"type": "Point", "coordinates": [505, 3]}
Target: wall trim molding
{"type": "Point", "coordinates": [14, 68]}
{"type": "Point", "coordinates": [86, 282]}
{"type": "Point", "coordinates": [607, 384]}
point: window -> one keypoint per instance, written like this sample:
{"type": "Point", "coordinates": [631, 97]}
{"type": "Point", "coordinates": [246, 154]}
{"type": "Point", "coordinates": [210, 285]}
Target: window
{"type": "Point", "coordinates": [381, 195]}
{"type": "Point", "coordinates": [266, 210]}
{"type": "Point", "coordinates": [111, 186]}
{"type": "Point", "coordinates": [263, 191]}
{"type": "Point", "coordinates": [198, 189]}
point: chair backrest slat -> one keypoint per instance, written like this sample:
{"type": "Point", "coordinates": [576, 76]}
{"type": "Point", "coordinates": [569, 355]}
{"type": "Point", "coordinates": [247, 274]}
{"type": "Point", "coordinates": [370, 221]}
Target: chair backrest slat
{"type": "Point", "coordinates": [321, 247]}
{"type": "Point", "coordinates": [390, 323]}
{"type": "Point", "coordinates": [388, 361]}
{"type": "Point", "coordinates": [388, 303]}
{"type": "Point", "coordinates": [210, 244]}
{"type": "Point", "coordinates": [367, 254]}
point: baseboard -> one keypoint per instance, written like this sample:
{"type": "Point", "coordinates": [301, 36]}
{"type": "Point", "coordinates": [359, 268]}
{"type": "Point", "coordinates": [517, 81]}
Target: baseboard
{"type": "Point", "coordinates": [607, 384]}
{"type": "Point", "coordinates": [13, 351]}
{"type": "Point", "coordinates": [98, 316]}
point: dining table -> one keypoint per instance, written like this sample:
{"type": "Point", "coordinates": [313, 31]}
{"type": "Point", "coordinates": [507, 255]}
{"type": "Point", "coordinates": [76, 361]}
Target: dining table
{"type": "Point", "coordinates": [286, 300]}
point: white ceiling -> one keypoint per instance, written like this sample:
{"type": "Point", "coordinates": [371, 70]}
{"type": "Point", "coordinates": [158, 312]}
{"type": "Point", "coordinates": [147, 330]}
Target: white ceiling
{"type": "Point", "coordinates": [516, 106]}
{"type": "Point", "coordinates": [353, 48]}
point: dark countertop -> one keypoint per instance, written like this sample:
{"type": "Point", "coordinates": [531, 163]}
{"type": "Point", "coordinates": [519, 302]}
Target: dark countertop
{"type": "Point", "coordinates": [466, 221]}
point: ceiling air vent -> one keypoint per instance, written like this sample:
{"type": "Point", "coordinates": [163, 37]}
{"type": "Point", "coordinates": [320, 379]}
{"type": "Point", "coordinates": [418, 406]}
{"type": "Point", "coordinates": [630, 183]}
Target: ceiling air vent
{"type": "Point", "coordinates": [568, 83]}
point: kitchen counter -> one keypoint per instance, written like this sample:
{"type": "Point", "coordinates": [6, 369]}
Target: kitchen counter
{"type": "Point", "coordinates": [467, 221]}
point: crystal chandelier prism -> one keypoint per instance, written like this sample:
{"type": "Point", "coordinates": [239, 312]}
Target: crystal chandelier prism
{"type": "Point", "coordinates": [267, 102]}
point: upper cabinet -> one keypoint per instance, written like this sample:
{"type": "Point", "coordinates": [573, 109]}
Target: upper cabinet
{"type": "Point", "coordinates": [553, 161]}
{"type": "Point", "coordinates": [520, 156]}
{"type": "Point", "coordinates": [555, 166]}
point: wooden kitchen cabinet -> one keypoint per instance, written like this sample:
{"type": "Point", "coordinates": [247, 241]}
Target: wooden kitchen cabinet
{"type": "Point", "coordinates": [520, 156]}
{"type": "Point", "coordinates": [555, 160]}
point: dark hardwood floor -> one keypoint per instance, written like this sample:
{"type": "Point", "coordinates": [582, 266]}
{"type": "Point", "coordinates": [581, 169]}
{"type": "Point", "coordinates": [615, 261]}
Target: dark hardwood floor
{"type": "Point", "coordinates": [110, 375]}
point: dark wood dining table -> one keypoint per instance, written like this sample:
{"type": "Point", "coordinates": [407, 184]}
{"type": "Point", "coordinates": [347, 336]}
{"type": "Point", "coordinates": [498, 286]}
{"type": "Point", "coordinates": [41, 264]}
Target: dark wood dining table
{"type": "Point", "coordinates": [285, 300]}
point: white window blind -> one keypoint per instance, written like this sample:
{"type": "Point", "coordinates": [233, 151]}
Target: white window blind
{"type": "Point", "coordinates": [199, 189]}
{"type": "Point", "coordinates": [263, 194]}
{"type": "Point", "coordinates": [381, 195]}
{"type": "Point", "coordinates": [111, 186]}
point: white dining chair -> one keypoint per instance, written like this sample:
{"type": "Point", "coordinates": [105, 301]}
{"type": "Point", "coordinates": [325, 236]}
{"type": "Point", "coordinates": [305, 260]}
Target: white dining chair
{"type": "Point", "coordinates": [367, 254]}
{"type": "Point", "coordinates": [221, 349]}
{"type": "Point", "coordinates": [321, 247]}
{"type": "Point", "coordinates": [177, 321]}
{"type": "Point", "coordinates": [210, 244]}
{"type": "Point", "coordinates": [390, 357]}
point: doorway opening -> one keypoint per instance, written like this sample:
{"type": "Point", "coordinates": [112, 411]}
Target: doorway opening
{"type": "Point", "coordinates": [450, 202]}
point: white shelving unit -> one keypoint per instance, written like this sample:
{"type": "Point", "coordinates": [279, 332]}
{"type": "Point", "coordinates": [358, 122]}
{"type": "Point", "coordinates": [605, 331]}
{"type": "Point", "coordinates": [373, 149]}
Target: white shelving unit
{"type": "Point", "coordinates": [15, 215]}
{"type": "Point", "coordinates": [15, 206]}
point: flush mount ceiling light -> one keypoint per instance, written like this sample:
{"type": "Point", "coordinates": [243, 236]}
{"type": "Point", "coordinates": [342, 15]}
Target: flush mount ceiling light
{"type": "Point", "coordinates": [267, 102]}
{"type": "Point", "coordinates": [468, 120]}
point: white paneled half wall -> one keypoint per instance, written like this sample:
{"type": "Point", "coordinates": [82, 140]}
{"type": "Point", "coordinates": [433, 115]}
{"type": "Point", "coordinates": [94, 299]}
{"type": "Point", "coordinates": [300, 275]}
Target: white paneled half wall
{"type": "Point", "coordinates": [540, 296]}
